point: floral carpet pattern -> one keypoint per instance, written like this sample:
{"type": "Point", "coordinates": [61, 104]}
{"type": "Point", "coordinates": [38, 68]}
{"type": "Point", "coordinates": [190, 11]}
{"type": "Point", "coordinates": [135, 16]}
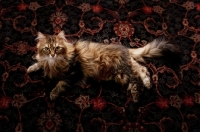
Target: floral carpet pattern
{"type": "Point", "coordinates": [171, 105]}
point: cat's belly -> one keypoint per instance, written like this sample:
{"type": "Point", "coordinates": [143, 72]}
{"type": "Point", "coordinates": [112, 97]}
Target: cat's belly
{"type": "Point", "coordinates": [101, 71]}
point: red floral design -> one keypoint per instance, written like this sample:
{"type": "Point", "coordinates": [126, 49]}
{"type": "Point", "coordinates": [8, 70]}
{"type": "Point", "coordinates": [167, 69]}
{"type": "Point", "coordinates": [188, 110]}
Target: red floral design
{"type": "Point", "coordinates": [22, 6]}
{"type": "Point", "coordinates": [57, 30]}
{"type": "Point", "coordinates": [162, 103]}
{"type": "Point", "coordinates": [98, 103]}
{"type": "Point", "coordinates": [83, 102]}
{"type": "Point", "coordinates": [188, 100]}
{"type": "Point", "coordinates": [4, 102]}
{"type": "Point", "coordinates": [49, 121]}
{"type": "Point", "coordinates": [97, 8]}
{"type": "Point", "coordinates": [175, 101]}
{"type": "Point", "coordinates": [147, 9]}
{"type": "Point", "coordinates": [124, 29]}
{"type": "Point", "coordinates": [20, 48]}
{"type": "Point", "coordinates": [197, 6]}
{"type": "Point", "coordinates": [58, 19]}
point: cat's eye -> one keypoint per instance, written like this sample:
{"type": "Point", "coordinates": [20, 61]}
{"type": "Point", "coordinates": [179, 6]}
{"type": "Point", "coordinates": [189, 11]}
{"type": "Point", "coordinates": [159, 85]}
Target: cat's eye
{"type": "Point", "coordinates": [46, 48]}
{"type": "Point", "coordinates": [58, 48]}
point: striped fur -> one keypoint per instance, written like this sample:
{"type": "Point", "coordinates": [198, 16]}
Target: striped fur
{"type": "Point", "coordinates": [98, 61]}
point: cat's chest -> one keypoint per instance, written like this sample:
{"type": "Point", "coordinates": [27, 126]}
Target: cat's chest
{"type": "Point", "coordinates": [51, 63]}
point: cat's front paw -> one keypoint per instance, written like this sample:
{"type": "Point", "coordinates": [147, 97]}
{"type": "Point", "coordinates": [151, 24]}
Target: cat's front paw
{"type": "Point", "coordinates": [33, 68]}
{"type": "Point", "coordinates": [54, 94]}
{"type": "Point", "coordinates": [30, 69]}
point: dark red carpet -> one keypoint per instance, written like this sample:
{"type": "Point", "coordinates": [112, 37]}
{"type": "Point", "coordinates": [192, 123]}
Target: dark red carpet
{"type": "Point", "coordinates": [173, 103]}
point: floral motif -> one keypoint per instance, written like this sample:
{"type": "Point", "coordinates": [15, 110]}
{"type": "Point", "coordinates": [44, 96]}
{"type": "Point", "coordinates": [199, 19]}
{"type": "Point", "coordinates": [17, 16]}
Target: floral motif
{"type": "Point", "coordinates": [85, 7]}
{"type": "Point", "coordinates": [20, 48]}
{"type": "Point", "coordinates": [133, 127]}
{"type": "Point", "coordinates": [158, 9]}
{"type": "Point", "coordinates": [34, 6]}
{"type": "Point", "coordinates": [196, 37]}
{"type": "Point", "coordinates": [83, 102]}
{"type": "Point", "coordinates": [22, 7]}
{"type": "Point", "coordinates": [147, 9]}
{"type": "Point", "coordinates": [188, 100]}
{"type": "Point", "coordinates": [4, 102]}
{"type": "Point", "coordinates": [189, 5]}
{"type": "Point", "coordinates": [49, 121]}
{"type": "Point", "coordinates": [197, 6]}
{"type": "Point", "coordinates": [97, 8]}
{"type": "Point", "coordinates": [58, 19]}
{"type": "Point", "coordinates": [98, 103]}
{"type": "Point", "coordinates": [162, 103]}
{"type": "Point", "coordinates": [56, 30]}
{"type": "Point", "coordinates": [18, 100]}
{"type": "Point", "coordinates": [175, 101]}
{"type": "Point", "coordinates": [124, 29]}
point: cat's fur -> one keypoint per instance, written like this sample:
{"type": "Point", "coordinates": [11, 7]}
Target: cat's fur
{"type": "Point", "coordinates": [99, 61]}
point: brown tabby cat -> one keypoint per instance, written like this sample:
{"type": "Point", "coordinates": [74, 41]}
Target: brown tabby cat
{"type": "Point", "coordinates": [99, 61]}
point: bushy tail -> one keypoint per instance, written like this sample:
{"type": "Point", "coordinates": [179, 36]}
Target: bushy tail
{"type": "Point", "coordinates": [157, 48]}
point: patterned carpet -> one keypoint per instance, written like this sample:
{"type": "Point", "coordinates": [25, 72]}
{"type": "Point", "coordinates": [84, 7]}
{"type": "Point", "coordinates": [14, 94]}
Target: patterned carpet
{"type": "Point", "coordinates": [173, 103]}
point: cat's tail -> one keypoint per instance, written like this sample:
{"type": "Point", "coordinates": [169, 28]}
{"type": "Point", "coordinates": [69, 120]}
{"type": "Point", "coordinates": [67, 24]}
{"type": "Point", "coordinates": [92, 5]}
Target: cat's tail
{"type": "Point", "coordinates": [157, 48]}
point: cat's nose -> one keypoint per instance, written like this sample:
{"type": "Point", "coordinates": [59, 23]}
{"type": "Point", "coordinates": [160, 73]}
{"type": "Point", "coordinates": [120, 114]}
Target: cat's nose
{"type": "Point", "coordinates": [52, 55]}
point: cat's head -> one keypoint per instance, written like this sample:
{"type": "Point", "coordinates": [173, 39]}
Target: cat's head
{"type": "Point", "coordinates": [53, 46]}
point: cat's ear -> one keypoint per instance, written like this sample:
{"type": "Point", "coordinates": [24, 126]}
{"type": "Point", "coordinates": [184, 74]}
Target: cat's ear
{"type": "Point", "coordinates": [40, 36]}
{"type": "Point", "coordinates": [61, 35]}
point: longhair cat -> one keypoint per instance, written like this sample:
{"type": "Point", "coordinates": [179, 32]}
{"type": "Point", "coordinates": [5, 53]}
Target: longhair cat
{"type": "Point", "coordinates": [98, 61]}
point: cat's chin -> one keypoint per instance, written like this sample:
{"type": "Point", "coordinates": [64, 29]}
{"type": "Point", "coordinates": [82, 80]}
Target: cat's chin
{"type": "Point", "coordinates": [51, 60]}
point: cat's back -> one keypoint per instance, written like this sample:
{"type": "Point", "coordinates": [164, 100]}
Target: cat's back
{"type": "Point", "coordinates": [91, 47]}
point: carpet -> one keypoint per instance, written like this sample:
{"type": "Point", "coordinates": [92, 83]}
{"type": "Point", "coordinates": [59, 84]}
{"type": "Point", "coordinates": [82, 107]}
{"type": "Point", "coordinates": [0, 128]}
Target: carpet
{"type": "Point", "coordinates": [171, 105]}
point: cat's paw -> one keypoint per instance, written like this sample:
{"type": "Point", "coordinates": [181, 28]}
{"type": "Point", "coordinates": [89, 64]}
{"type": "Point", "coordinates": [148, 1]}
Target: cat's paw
{"type": "Point", "coordinates": [132, 88]}
{"type": "Point", "coordinates": [33, 68]}
{"type": "Point", "coordinates": [54, 94]}
{"type": "Point", "coordinates": [145, 76]}
{"type": "Point", "coordinates": [30, 69]}
{"type": "Point", "coordinates": [147, 82]}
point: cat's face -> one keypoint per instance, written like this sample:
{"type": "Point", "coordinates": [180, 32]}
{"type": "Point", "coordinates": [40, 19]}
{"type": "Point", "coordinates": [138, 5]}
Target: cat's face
{"type": "Point", "coordinates": [51, 46]}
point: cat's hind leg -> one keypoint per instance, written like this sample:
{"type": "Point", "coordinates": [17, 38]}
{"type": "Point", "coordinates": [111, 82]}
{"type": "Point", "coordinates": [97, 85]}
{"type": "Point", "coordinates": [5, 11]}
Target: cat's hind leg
{"type": "Point", "coordinates": [132, 88]}
{"type": "Point", "coordinates": [141, 72]}
{"type": "Point", "coordinates": [60, 87]}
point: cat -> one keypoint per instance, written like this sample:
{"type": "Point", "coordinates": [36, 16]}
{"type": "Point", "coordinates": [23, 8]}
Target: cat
{"type": "Point", "coordinates": [102, 62]}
